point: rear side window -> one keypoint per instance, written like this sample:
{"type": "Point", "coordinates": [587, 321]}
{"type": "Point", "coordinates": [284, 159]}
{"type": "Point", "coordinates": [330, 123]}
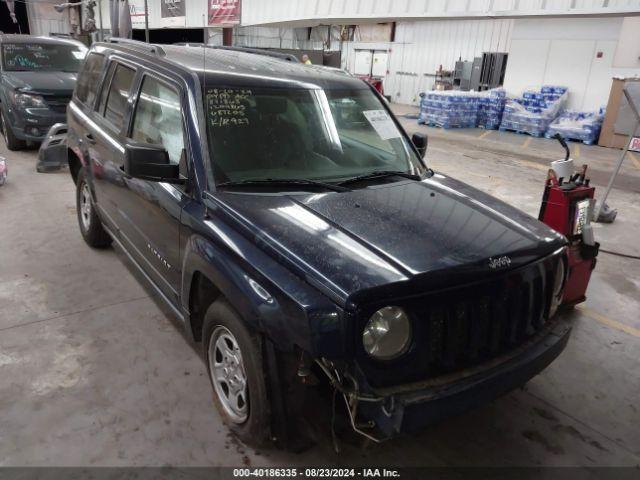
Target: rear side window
{"type": "Point", "coordinates": [118, 94]}
{"type": "Point", "coordinates": [104, 91]}
{"type": "Point", "coordinates": [89, 77]}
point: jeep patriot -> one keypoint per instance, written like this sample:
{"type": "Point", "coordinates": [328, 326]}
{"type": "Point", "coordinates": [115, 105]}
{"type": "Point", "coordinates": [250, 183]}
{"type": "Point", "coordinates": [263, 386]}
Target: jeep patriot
{"type": "Point", "coordinates": [283, 214]}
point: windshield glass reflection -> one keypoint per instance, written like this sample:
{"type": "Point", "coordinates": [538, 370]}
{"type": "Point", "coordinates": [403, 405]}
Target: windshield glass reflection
{"type": "Point", "coordinates": [326, 135]}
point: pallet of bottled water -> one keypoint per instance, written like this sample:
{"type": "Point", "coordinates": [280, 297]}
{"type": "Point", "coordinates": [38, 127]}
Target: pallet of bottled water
{"type": "Point", "coordinates": [490, 108]}
{"type": "Point", "coordinates": [580, 126]}
{"type": "Point", "coordinates": [534, 111]}
{"type": "Point", "coordinates": [449, 109]}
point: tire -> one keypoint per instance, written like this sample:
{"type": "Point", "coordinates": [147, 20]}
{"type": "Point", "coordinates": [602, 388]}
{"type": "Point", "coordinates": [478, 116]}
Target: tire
{"type": "Point", "coordinates": [90, 225]}
{"type": "Point", "coordinates": [222, 324]}
{"type": "Point", "coordinates": [13, 143]}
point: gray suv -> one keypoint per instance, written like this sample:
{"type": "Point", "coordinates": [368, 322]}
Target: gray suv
{"type": "Point", "coordinates": [37, 78]}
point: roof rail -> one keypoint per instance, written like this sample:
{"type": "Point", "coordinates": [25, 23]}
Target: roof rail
{"type": "Point", "coordinates": [155, 49]}
{"type": "Point", "coordinates": [258, 51]}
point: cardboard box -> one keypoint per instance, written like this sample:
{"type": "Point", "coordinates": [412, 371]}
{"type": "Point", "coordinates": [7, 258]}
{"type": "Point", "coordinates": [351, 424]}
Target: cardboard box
{"type": "Point", "coordinates": [611, 134]}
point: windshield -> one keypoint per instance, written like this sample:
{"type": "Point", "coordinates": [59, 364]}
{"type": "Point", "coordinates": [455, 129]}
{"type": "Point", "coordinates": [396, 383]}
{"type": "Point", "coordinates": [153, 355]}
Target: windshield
{"type": "Point", "coordinates": [29, 57]}
{"type": "Point", "coordinates": [311, 134]}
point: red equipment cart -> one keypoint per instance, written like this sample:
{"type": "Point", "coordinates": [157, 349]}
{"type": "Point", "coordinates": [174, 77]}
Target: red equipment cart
{"type": "Point", "coordinates": [567, 205]}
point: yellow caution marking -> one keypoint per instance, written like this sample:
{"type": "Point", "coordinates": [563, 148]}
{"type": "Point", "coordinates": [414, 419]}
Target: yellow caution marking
{"type": "Point", "coordinates": [634, 160]}
{"type": "Point", "coordinates": [609, 322]}
{"type": "Point", "coordinates": [529, 163]}
{"type": "Point", "coordinates": [485, 134]}
{"type": "Point", "coordinates": [576, 151]}
{"type": "Point", "coordinates": [526, 143]}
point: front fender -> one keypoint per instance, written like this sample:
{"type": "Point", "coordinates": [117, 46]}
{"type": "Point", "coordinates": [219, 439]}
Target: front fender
{"type": "Point", "coordinates": [244, 293]}
{"type": "Point", "coordinates": [269, 298]}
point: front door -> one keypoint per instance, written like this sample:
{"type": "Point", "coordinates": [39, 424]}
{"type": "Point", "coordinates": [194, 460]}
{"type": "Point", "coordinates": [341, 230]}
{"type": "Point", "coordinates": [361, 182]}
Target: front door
{"type": "Point", "coordinates": [151, 210]}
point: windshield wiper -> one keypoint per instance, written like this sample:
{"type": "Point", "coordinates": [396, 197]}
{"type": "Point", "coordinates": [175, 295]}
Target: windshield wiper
{"type": "Point", "coordinates": [285, 182]}
{"type": "Point", "coordinates": [380, 174]}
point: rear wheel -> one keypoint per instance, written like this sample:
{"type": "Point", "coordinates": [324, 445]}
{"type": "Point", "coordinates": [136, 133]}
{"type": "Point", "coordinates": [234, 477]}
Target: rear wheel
{"type": "Point", "coordinates": [13, 143]}
{"type": "Point", "coordinates": [90, 225]}
{"type": "Point", "coordinates": [233, 356]}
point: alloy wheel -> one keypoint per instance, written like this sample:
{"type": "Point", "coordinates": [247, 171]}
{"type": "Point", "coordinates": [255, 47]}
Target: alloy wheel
{"type": "Point", "coordinates": [228, 375]}
{"type": "Point", "coordinates": [85, 206]}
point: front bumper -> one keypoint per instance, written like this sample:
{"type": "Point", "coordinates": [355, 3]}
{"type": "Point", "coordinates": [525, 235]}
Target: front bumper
{"type": "Point", "coordinates": [411, 407]}
{"type": "Point", "coordinates": [33, 123]}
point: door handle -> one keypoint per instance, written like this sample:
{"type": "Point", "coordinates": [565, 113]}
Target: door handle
{"type": "Point", "coordinates": [90, 138]}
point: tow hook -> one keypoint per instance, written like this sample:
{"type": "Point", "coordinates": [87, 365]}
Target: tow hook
{"type": "Point", "coordinates": [389, 406]}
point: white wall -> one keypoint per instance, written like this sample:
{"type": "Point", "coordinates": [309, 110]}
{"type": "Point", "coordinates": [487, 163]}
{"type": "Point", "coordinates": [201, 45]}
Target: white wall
{"type": "Point", "coordinates": [561, 51]}
{"type": "Point", "coordinates": [272, 37]}
{"type": "Point", "coordinates": [341, 12]}
{"type": "Point", "coordinates": [628, 49]}
{"type": "Point", "coordinates": [314, 12]}
{"type": "Point", "coordinates": [565, 52]}
{"type": "Point", "coordinates": [421, 47]}
{"type": "Point", "coordinates": [541, 50]}
{"type": "Point", "coordinates": [43, 19]}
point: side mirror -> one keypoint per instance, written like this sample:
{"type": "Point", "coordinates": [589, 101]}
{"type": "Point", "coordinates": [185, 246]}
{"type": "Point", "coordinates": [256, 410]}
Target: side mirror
{"type": "Point", "coordinates": [150, 162]}
{"type": "Point", "coordinates": [420, 141]}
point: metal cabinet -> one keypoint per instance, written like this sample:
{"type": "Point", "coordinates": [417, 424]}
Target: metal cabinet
{"type": "Point", "coordinates": [371, 63]}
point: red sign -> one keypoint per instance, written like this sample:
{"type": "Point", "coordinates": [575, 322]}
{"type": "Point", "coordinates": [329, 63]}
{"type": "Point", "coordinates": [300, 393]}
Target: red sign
{"type": "Point", "coordinates": [635, 144]}
{"type": "Point", "coordinates": [224, 12]}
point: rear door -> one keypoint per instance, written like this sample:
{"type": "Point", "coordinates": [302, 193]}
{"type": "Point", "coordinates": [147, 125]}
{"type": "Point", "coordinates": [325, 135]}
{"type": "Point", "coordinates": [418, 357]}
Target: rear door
{"type": "Point", "coordinates": [106, 137]}
{"type": "Point", "coordinates": [150, 211]}
{"type": "Point", "coordinates": [82, 106]}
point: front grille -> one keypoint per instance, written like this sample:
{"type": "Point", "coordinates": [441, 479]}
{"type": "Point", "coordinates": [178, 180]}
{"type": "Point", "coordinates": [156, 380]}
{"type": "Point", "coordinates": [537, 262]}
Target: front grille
{"type": "Point", "coordinates": [58, 103]}
{"type": "Point", "coordinates": [467, 326]}
{"type": "Point", "coordinates": [461, 327]}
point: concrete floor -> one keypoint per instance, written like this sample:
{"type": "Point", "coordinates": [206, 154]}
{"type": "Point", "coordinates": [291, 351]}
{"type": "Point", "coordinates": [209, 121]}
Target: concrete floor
{"type": "Point", "coordinates": [92, 372]}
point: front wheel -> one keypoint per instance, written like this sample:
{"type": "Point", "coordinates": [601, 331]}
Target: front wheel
{"type": "Point", "coordinates": [13, 143]}
{"type": "Point", "coordinates": [233, 356]}
{"type": "Point", "coordinates": [90, 225]}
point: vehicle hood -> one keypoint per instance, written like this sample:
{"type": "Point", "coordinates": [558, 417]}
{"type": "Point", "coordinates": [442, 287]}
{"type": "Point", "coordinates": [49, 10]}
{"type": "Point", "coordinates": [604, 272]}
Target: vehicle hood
{"type": "Point", "coordinates": [351, 242]}
{"type": "Point", "coordinates": [45, 83]}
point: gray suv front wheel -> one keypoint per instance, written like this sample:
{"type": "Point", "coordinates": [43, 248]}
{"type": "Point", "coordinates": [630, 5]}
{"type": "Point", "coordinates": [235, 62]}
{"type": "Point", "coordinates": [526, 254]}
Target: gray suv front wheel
{"type": "Point", "coordinates": [13, 143]}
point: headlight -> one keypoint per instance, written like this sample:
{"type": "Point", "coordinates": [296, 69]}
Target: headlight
{"type": "Point", "coordinates": [558, 288]}
{"type": "Point", "coordinates": [27, 100]}
{"type": "Point", "coordinates": [387, 334]}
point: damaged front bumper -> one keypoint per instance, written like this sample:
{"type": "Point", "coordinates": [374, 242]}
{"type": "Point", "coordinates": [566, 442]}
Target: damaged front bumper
{"type": "Point", "coordinates": [383, 413]}
{"type": "Point", "coordinates": [52, 154]}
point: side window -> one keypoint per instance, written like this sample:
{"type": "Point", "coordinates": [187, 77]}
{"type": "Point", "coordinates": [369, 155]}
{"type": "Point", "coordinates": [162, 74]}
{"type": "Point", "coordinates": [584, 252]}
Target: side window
{"type": "Point", "coordinates": [158, 118]}
{"type": "Point", "coordinates": [104, 91]}
{"type": "Point", "coordinates": [118, 94]}
{"type": "Point", "coordinates": [89, 78]}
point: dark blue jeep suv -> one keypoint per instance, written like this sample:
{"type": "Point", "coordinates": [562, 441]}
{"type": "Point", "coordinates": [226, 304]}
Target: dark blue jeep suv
{"type": "Point", "coordinates": [295, 230]}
